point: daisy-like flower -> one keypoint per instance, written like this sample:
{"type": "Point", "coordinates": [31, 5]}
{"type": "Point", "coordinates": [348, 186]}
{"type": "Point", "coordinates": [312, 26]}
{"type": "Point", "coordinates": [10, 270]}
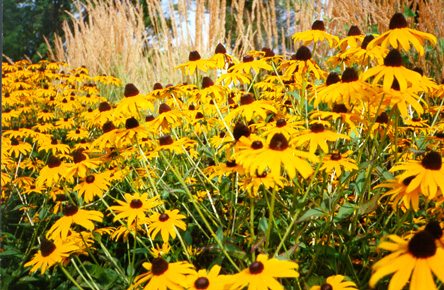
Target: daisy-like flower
{"type": "Point", "coordinates": [133, 102]}
{"type": "Point", "coordinates": [132, 131]}
{"type": "Point", "coordinates": [354, 37]}
{"type": "Point", "coordinates": [166, 119]}
{"type": "Point", "coordinates": [54, 170]}
{"type": "Point", "coordinates": [248, 63]}
{"type": "Point", "coordinates": [318, 136]}
{"type": "Point", "coordinates": [17, 147]}
{"type": "Point", "coordinates": [222, 58]}
{"type": "Point", "coordinates": [336, 282]}
{"type": "Point", "coordinates": [262, 274]}
{"type": "Point", "coordinates": [50, 254]}
{"type": "Point", "coordinates": [398, 193]}
{"type": "Point", "coordinates": [391, 70]}
{"type": "Point", "coordinates": [73, 215]}
{"type": "Point", "coordinates": [166, 224]}
{"type": "Point", "coordinates": [364, 54]}
{"type": "Point", "coordinates": [211, 280]}
{"type": "Point", "coordinates": [195, 61]}
{"type": "Point", "coordinates": [54, 146]}
{"type": "Point", "coordinates": [135, 207]}
{"type": "Point", "coordinates": [167, 143]}
{"type": "Point", "coordinates": [336, 161]}
{"type": "Point", "coordinates": [402, 99]}
{"type": "Point", "coordinates": [400, 35]}
{"type": "Point", "coordinates": [82, 164]}
{"type": "Point", "coordinates": [233, 77]}
{"type": "Point", "coordinates": [429, 174]}
{"type": "Point", "coordinates": [249, 108]}
{"type": "Point", "coordinates": [278, 152]}
{"type": "Point", "coordinates": [413, 260]}
{"type": "Point", "coordinates": [218, 92]}
{"type": "Point", "coordinates": [163, 275]}
{"type": "Point", "coordinates": [92, 185]}
{"type": "Point", "coordinates": [317, 33]}
{"type": "Point", "coordinates": [302, 63]}
{"type": "Point", "coordinates": [252, 184]}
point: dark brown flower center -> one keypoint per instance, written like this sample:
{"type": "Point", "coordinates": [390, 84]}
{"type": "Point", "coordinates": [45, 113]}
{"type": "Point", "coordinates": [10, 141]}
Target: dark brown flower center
{"type": "Point", "coordinates": [393, 58]}
{"type": "Point", "coordinates": [163, 217]}
{"type": "Point", "coordinates": [70, 210]}
{"type": "Point", "coordinates": [157, 86]}
{"type": "Point", "coordinates": [247, 99]}
{"type": "Point", "coordinates": [131, 123]}
{"type": "Point", "coordinates": [108, 126]}
{"type": "Point", "coordinates": [194, 55]}
{"type": "Point", "coordinates": [247, 58]}
{"type": "Point", "coordinates": [130, 91]}
{"type": "Point", "coordinates": [366, 41]}
{"type": "Point", "coordinates": [90, 179]}
{"type": "Point", "coordinates": [317, 128]}
{"type": "Point", "coordinates": [339, 108]}
{"type": "Point", "coordinates": [303, 53]}
{"type": "Point", "coordinates": [383, 118]}
{"type": "Point", "coordinates": [165, 140]}
{"type": "Point", "coordinates": [78, 156]}
{"type": "Point", "coordinates": [256, 268]}
{"type": "Point", "coordinates": [54, 162]}
{"type": "Point", "coordinates": [435, 229]}
{"type": "Point", "coordinates": [231, 164]}
{"type": "Point", "coordinates": [395, 85]}
{"type": "Point", "coordinates": [61, 197]}
{"type": "Point", "coordinates": [64, 101]}
{"type": "Point", "coordinates": [104, 106]}
{"type": "Point", "coordinates": [159, 266]}
{"type": "Point", "coordinates": [240, 130]}
{"type": "Point", "coordinates": [14, 141]}
{"type": "Point", "coordinates": [207, 82]}
{"type": "Point", "coordinates": [202, 283]}
{"type": "Point", "coordinates": [257, 145]}
{"type": "Point", "coordinates": [326, 287]}
{"type": "Point", "coordinates": [220, 49]}
{"type": "Point", "coordinates": [439, 135]}
{"type": "Point", "coordinates": [278, 142]}
{"type": "Point", "coordinates": [149, 118]}
{"type": "Point", "coordinates": [332, 78]}
{"type": "Point", "coordinates": [416, 119]}
{"type": "Point", "coordinates": [335, 157]}
{"type": "Point", "coordinates": [54, 141]}
{"type": "Point", "coordinates": [354, 31]}
{"type": "Point", "coordinates": [268, 52]}
{"type": "Point", "coordinates": [350, 75]}
{"type": "Point", "coordinates": [422, 245]}
{"type": "Point", "coordinates": [199, 115]}
{"type": "Point", "coordinates": [281, 123]}
{"type": "Point", "coordinates": [418, 70]}
{"type": "Point", "coordinates": [136, 203]}
{"type": "Point", "coordinates": [398, 21]}
{"type": "Point", "coordinates": [46, 248]}
{"type": "Point", "coordinates": [318, 25]}
{"type": "Point", "coordinates": [163, 108]}
{"type": "Point", "coordinates": [432, 161]}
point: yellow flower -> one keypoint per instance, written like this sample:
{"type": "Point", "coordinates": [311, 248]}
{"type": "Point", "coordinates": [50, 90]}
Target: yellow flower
{"type": "Point", "coordinates": [92, 185]}
{"type": "Point", "coordinates": [52, 172]}
{"type": "Point", "coordinates": [399, 193]}
{"type": "Point", "coordinates": [318, 136]}
{"type": "Point", "coordinates": [262, 274]}
{"type": "Point", "coordinates": [335, 161]}
{"type": "Point", "coordinates": [163, 275]}
{"type": "Point", "coordinates": [248, 63]}
{"type": "Point", "coordinates": [135, 207]}
{"type": "Point", "coordinates": [336, 282]}
{"type": "Point", "coordinates": [317, 33]}
{"type": "Point", "coordinates": [195, 61]}
{"type": "Point", "coordinates": [417, 258]}
{"type": "Point", "coordinates": [73, 215]}
{"type": "Point", "coordinates": [51, 253]}
{"type": "Point", "coordinates": [400, 35]}
{"type": "Point", "coordinates": [249, 108]}
{"type": "Point", "coordinates": [133, 102]}
{"type": "Point", "coordinates": [209, 281]}
{"type": "Point", "coordinates": [166, 224]}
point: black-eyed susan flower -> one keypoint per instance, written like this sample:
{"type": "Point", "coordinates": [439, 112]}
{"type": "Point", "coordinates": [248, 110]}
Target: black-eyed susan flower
{"type": "Point", "coordinates": [166, 224]}
{"type": "Point", "coordinates": [163, 275]}
{"type": "Point", "coordinates": [133, 102]}
{"type": "Point", "coordinates": [166, 119]}
{"type": "Point", "coordinates": [354, 39]}
{"type": "Point", "coordinates": [317, 136]}
{"type": "Point", "coordinates": [400, 35]}
{"type": "Point", "coordinates": [262, 274]}
{"type": "Point", "coordinates": [54, 146]}
{"type": "Point", "coordinates": [403, 99]}
{"type": "Point", "coordinates": [133, 131]}
{"type": "Point", "coordinates": [92, 185]}
{"type": "Point", "coordinates": [413, 260]}
{"type": "Point", "coordinates": [338, 163]}
{"type": "Point", "coordinates": [166, 142]}
{"type": "Point", "coordinates": [17, 147]}
{"type": "Point", "coordinates": [398, 193]}
{"type": "Point", "coordinates": [302, 63]}
{"type": "Point", "coordinates": [73, 215]}
{"type": "Point", "coordinates": [54, 170]}
{"type": "Point", "coordinates": [222, 58]}
{"type": "Point", "coordinates": [276, 153]}
{"type": "Point", "coordinates": [195, 61]}
{"type": "Point", "coordinates": [82, 164]}
{"type": "Point", "coordinates": [248, 63]}
{"type": "Point", "coordinates": [235, 78]}
{"type": "Point", "coordinates": [135, 207]}
{"type": "Point", "coordinates": [429, 174]}
{"type": "Point", "coordinates": [50, 254]}
{"type": "Point", "coordinates": [336, 282]}
{"type": "Point", "coordinates": [391, 70]}
{"type": "Point", "coordinates": [317, 33]}
{"type": "Point", "coordinates": [253, 184]}
{"type": "Point", "coordinates": [204, 280]}
{"type": "Point", "coordinates": [364, 54]}
{"type": "Point", "coordinates": [250, 107]}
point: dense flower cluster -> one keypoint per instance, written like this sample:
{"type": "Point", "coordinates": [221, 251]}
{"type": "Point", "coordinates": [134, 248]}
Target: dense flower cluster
{"type": "Point", "coordinates": [241, 173]}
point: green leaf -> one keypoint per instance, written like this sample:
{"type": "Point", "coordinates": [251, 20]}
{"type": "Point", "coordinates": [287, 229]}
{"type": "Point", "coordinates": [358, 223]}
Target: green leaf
{"type": "Point", "coordinates": [408, 12]}
{"type": "Point", "coordinates": [263, 224]}
{"type": "Point", "coordinates": [345, 211]}
{"type": "Point", "coordinates": [370, 205]}
{"type": "Point", "coordinates": [220, 234]}
{"type": "Point", "coordinates": [385, 173]}
{"type": "Point", "coordinates": [314, 212]}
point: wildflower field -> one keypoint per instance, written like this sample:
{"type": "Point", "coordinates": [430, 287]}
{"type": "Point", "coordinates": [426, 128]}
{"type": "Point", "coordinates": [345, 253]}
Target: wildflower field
{"type": "Point", "coordinates": [260, 171]}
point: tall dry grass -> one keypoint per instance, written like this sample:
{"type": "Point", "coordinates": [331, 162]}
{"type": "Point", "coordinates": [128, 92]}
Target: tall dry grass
{"type": "Point", "coordinates": [113, 40]}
